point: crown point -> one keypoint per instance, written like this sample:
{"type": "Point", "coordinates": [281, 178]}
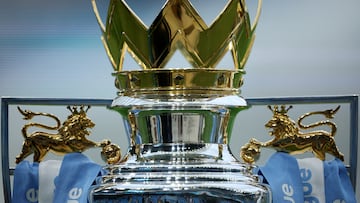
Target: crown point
{"type": "Point", "coordinates": [178, 28]}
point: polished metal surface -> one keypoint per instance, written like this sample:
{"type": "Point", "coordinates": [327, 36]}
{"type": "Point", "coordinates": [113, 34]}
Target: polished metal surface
{"type": "Point", "coordinates": [190, 171]}
{"type": "Point", "coordinates": [179, 83]}
{"type": "Point", "coordinates": [179, 119]}
{"type": "Point", "coordinates": [178, 26]}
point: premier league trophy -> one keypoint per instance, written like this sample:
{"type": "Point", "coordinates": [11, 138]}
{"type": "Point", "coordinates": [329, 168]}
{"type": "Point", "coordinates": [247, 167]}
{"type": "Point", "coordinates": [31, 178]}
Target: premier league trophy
{"type": "Point", "coordinates": [178, 119]}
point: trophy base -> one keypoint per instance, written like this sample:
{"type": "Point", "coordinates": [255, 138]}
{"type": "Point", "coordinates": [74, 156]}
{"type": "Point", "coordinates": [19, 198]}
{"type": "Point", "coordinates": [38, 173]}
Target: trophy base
{"type": "Point", "coordinates": [181, 173]}
{"type": "Point", "coordinates": [193, 196]}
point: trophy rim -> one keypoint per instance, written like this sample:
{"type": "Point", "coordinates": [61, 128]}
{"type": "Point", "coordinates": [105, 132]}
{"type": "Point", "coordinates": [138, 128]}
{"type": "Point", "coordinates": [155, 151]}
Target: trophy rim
{"type": "Point", "coordinates": [197, 83]}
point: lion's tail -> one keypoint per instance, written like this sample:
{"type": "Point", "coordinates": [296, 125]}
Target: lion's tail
{"type": "Point", "coordinates": [29, 115]}
{"type": "Point", "coordinates": [327, 113]}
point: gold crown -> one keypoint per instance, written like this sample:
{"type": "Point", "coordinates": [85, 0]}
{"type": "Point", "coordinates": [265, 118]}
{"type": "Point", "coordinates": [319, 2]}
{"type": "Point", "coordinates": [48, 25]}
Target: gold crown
{"type": "Point", "coordinates": [178, 26]}
{"type": "Point", "coordinates": [78, 110]}
{"type": "Point", "coordinates": [280, 112]}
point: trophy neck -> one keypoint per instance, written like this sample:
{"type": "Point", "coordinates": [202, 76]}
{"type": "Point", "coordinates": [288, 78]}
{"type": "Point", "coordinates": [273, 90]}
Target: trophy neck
{"type": "Point", "coordinates": [196, 121]}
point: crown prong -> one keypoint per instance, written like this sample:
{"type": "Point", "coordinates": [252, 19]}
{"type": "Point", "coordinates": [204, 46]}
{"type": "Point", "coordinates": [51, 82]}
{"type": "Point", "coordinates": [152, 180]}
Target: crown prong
{"type": "Point", "coordinates": [178, 26]}
{"type": "Point", "coordinates": [282, 110]}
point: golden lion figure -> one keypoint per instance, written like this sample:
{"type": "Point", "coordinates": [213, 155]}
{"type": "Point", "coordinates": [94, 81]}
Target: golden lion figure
{"type": "Point", "coordinates": [288, 137]}
{"type": "Point", "coordinates": [71, 136]}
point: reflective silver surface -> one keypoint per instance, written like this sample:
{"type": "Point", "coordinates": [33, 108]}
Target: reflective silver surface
{"type": "Point", "coordinates": [179, 153]}
{"type": "Point", "coordinates": [180, 173]}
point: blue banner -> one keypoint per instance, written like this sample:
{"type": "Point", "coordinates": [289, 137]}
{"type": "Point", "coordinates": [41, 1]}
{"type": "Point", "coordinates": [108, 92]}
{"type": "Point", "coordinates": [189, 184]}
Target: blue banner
{"type": "Point", "coordinates": [281, 172]}
{"type": "Point", "coordinates": [26, 183]}
{"type": "Point", "coordinates": [77, 173]}
{"type": "Point", "coordinates": [308, 180]}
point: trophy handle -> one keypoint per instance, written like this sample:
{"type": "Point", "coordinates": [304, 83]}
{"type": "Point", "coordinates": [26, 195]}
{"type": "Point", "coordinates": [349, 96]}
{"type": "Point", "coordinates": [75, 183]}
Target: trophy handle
{"type": "Point", "coordinates": [97, 14]}
{"type": "Point", "coordinates": [256, 19]}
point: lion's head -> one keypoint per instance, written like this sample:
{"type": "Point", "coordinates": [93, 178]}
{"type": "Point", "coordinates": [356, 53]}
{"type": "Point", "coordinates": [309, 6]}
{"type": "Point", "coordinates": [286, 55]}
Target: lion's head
{"type": "Point", "coordinates": [282, 126]}
{"type": "Point", "coordinates": [76, 125]}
